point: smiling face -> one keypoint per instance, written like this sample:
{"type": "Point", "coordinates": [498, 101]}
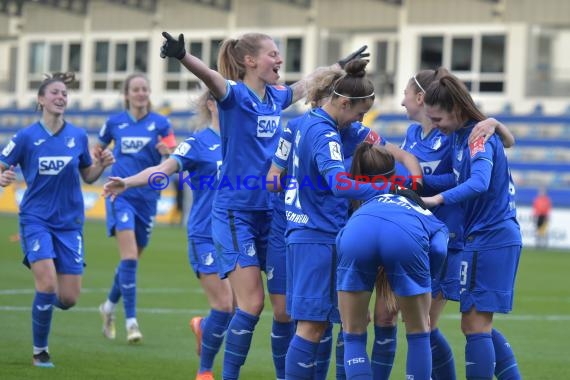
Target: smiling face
{"type": "Point", "coordinates": [351, 112]}
{"type": "Point", "coordinates": [54, 98]}
{"type": "Point", "coordinates": [413, 102]}
{"type": "Point", "coordinates": [137, 93]}
{"type": "Point", "coordinates": [268, 61]}
{"type": "Point", "coordinates": [446, 122]}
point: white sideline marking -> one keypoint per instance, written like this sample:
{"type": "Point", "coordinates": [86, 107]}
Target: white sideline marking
{"type": "Point", "coordinates": [102, 290]}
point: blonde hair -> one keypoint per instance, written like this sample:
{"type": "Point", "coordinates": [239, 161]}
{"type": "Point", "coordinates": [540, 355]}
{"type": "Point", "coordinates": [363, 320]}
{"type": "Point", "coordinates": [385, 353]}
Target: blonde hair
{"type": "Point", "coordinates": [231, 58]}
{"type": "Point", "coordinates": [322, 86]}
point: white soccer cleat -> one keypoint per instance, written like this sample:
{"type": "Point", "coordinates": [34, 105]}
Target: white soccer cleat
{"type": "Point", "coordinates": [108, 323]}
{"type": "Point", "coordinates": [134, 334]}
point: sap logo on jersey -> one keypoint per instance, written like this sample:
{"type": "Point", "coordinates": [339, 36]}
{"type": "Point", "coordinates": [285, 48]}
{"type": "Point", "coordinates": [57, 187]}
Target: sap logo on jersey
{"type": "Point", "coordinates": [133, 144]}
{"type": "Point", "coordinates": [267, 125]}
{"type": "Point", "coordinates": [53, 165]}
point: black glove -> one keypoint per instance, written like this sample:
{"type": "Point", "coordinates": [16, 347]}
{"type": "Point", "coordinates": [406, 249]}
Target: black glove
{"type": "Point", "coordinates": [358, 54]}
{"type": "Point", "coordinates": [171, 47]}
{"type": "Point", "coordinates": [410, 194]}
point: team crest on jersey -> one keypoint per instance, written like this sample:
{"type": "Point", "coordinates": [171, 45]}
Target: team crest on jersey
{"type": "Point", "coordinates": [52, 165]}
{"type": "Point", "coordinates": [182, 149]}
{"type": "Point", "coordinates": [460, 155]}
{"type": "Point", "coordinates": [151, 127]}
{"type": "Point", "coordinates": [8, 148]}
{"type": "Point", "coordinates": [436, 143]}
{"type": "Point", "coordinates": [267, 125]}
{"type": "Point", "coordinates": [131, 145]}
{"type": "Point", "coordinates": [429, 167]}
{"type": "Point", "coordinates": [249, 249]}
{"type": "Point", "coordinates": [70, 142]}
{"type": "Point", "coordinates": [334, 148]}
{"type": "Point", "coordinates": [283, 149]}
{"type": "Point", "coordinates": [477, 146]}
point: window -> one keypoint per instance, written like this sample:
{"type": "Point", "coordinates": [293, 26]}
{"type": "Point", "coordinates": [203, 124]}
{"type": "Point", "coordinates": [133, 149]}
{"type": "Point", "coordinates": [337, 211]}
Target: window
{"type": "Point", "coordinates": [385, 63]}
{"type": "Point", "coordinates": [293, 60]}
{"type": "Point", "coordinates": [49, 57]}
{"type": "Point", "coordinates": [431, 52]}
{"type": "Point", "coordinates": [114, 59]}
{"type": "Point", "coordinates": [478, 59]}
{"type": "Point", "coordinates": [178, 78]}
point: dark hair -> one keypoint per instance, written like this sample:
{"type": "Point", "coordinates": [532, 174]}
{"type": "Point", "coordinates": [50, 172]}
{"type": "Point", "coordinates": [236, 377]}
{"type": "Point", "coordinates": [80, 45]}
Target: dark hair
{"type": "Point", "coordinates": [354, 84]}
{"type": "Point", "coordinates": [371, 160]}
{"type": "Point", "coordinates": [127, 84]}
{"type": "Point", "coordinates": [322, 86]}
{"type": "Point", "coordinates": [451, 95]}
{"type": "Point", "coordinates": [425, 77]}
{"type": "Point", "coordinates": [231, 58]}
{"type": "Point", "coordinates": [67, 79]}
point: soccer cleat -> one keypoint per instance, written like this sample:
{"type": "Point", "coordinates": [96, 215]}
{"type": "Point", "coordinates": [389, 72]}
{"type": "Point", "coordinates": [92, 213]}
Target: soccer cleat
{"type": "Point", "coordinates": [42, 360]}
{"type": "Point", "coordinates": [108, 323]}
{"type": "Point", "coordinates": [206, 375]}
{"type": "Point", "coordinates": [195, 325]}
{"type": "Point", "coordinates": [134, 334]}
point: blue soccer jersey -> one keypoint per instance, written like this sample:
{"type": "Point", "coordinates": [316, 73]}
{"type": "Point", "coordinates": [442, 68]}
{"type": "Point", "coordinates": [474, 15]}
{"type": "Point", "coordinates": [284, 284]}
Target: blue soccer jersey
{"type": "Point", "coordinates": [250, 129]}
{"type": "Point", "coordinates": [392, 232]}
{"type": "Point", "coordinates": [135, 150]}
{"type": "Point", "coordinates": [434, 155]}
{"type": "Point", "coordinates": [353, 136]}
{"type": "Point", "coordinates": [490, 215]}
{"type": "Point", "coordinates": [201, 156]}
{"type": "Point", "coordinates": [50, 164]}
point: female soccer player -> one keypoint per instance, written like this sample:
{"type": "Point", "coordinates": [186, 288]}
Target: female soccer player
{"type": "Point", "coordinates": [490, 257]}
{"type": "Point", "coordinates": [201, 156]}
{"type": "Point", "coordinates": [433, 150]}
{"type": "Point", "coordinates": [249, 103]}
{"type": "Point", "coordinates": [141, 138]}
{"type": "Point", "coordinates": [410, 244]}
{"type": "Point", "coordinates": [319, 92]}
{"type": "Point", "coordinates": [53, 155]}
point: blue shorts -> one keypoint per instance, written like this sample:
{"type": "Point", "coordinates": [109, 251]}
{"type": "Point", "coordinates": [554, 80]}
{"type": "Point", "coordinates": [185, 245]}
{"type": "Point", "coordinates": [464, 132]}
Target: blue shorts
{"type": "Point", "coordinates": [311, 293]}
{"type": "Point", "coordinates": [121, 216]}
{"type": "Point", "coordinates": [202, 256]}
{"type": "Point", "coordinates": [487, 279]}
{"type": "Point", "coordinates": [276, 269]}
{"type": "Point", "coordinates": [448, 281]}
{"type": "Point", "coordinates": [240, 238]}
{"type": "Point", "coordinates": [364, 245]}
{"type": "Point", "coordinates": [64, 247]}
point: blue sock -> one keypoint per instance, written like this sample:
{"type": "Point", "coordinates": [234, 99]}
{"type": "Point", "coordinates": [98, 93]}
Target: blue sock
{"type": "Point", "coordinates": [300, 361]}
{"type": "Point", "coordinates": [418, 361]}
{"type": "Point", "coordinates": [115, 292]}
{"type": "Point", "coordinates": [479, 357]}
{"type": "Point", "coordinates": [128, 283]}
{"type": "Point", "coordinates": [214, 328]}
{"type": "Point", "coordinates": [42, 310]}
{"type": "Point", "coordinates": [339, 351]}
{"type": "Point", "coordinates": [238, 341]}
{"type": "Point", "coordinates": [506, 367]}
{"type": "Point", "coordinates": [356, 362]}
{"type": "Point", "coordinates": [443, 364]}
{"type": "Point", "coordinates": [384, 351]}
{"type": "Point", "coordinates": [324, 354]}
{"type": "Point", "coordinates": [281, 335]}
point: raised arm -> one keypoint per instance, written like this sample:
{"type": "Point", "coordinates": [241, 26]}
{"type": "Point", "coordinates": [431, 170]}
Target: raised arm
{"type": "Point", "coordinates": [174, 48]}
{"type": "Point", "coordinates": [300, 87]}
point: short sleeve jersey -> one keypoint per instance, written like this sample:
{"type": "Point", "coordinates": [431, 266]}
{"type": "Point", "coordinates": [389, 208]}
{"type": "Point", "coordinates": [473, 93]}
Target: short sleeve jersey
{"type": "Point", "coordinates": [201, 156]}
{"type": "Point", "coordinates": [249, 128]}
{"type": "Point", "coordinates": [50, 164]}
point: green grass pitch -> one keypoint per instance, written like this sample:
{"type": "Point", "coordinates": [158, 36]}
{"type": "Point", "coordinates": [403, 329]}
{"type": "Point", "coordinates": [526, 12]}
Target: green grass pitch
{"type": "Point", "coordinates": [169, 295]}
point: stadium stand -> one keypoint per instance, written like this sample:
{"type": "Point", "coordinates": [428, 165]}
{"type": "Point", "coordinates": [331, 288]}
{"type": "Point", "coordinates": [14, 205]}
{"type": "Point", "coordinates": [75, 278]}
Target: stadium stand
{"type": "Point", "coordinates": [541, 156]}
